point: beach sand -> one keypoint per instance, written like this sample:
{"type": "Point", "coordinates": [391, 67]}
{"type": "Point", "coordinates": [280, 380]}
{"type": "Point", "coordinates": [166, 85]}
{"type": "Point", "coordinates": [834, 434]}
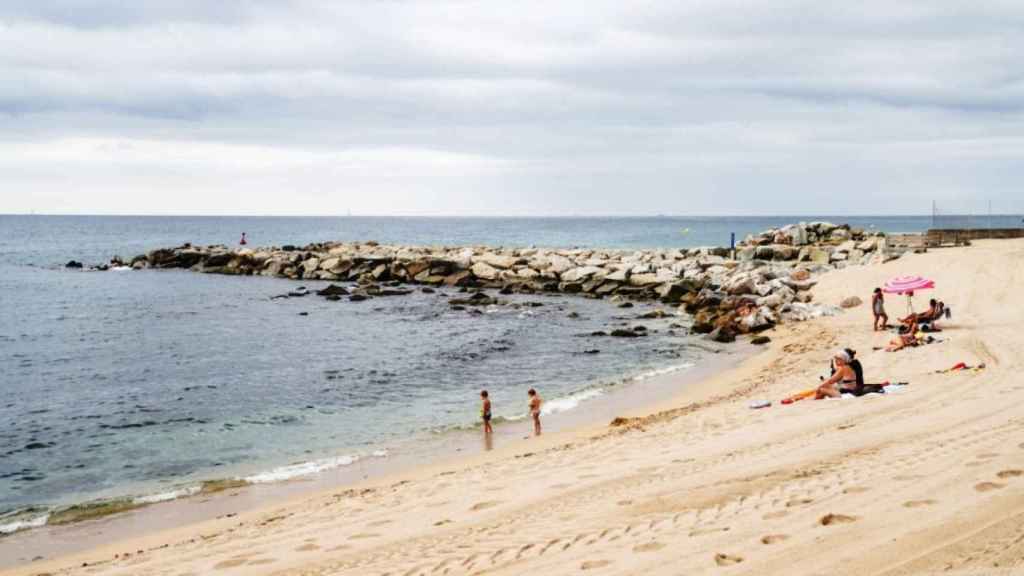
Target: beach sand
{"type": "Point", "coordinates": [928, 480]}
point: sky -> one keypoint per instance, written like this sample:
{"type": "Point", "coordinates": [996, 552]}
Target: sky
{"type": "Point", "coordinates": [278, 107]}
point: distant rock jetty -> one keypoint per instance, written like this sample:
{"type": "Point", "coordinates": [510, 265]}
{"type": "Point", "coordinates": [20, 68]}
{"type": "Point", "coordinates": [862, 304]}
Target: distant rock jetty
{"type": "Point", "coordinates": [764, 281]}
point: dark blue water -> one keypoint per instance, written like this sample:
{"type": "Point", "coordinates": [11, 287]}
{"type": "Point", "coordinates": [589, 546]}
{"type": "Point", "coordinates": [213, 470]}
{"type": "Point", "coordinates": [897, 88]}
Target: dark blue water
{"type": "Point", "coordinates": [129, 383]}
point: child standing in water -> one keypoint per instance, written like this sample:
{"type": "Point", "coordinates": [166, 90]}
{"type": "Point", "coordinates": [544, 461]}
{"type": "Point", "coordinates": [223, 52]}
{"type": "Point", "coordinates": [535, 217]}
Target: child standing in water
{"type": "Point", "coordinates": [535, 402]}
{"type": "Point", "coordinates": [485, 411]}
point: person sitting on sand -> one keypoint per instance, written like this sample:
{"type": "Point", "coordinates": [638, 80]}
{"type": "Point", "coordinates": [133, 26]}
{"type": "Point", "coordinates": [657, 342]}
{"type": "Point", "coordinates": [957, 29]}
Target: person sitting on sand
{"type": "Point", "coordinates": [485, 411]}
{"type": "Point", "coordinates": [878, 309]}
{"type": "Point", "coordinates": [535, 402]}
{"type": "Point", "coordinates": [844, 377]}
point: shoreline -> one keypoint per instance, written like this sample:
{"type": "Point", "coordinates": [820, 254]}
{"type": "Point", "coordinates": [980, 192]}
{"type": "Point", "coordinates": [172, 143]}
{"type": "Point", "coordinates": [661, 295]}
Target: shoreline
{"type": "Point", "coordinates": [929, 478]}
{"type": "Point", "coordinates": [90, 523]}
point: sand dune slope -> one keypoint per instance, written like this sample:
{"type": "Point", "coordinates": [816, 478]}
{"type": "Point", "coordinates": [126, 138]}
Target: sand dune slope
{"type": "Point", "coordinates": [929, 480]}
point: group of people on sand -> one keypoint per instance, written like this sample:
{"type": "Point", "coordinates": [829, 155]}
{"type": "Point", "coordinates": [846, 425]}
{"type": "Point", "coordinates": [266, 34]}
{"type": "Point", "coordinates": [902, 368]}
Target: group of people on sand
{"type": "Point", "coordinates": [912, 328]}
{"type": "Point", "coordinates": [534, 406]}
{"type": "Point", "coordinates": [847, 373]}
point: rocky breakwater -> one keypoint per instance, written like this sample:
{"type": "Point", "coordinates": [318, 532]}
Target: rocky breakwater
{"type": "Point", "coordinates": [767, 282]}
{"type": "Point", "coordinates": [818, 242]}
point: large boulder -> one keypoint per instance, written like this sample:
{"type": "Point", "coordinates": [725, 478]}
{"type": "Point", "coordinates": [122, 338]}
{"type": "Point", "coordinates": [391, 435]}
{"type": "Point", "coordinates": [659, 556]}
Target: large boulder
{"type": "Point", "coordinates": [851, 302]}
{"type": "Point", "coordinates": [496, 260]}
{"type": "Point", "coordinates": [582, 273]}
{"type": "Point", "coordinates": [740, 284]}
{"type": "Point", "coordinates": [484, 271]}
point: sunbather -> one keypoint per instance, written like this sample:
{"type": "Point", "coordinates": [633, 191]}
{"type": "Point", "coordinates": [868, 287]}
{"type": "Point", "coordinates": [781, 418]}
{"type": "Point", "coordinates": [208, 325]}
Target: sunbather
{"type": "Point", "coordinates": [905, 338]}
{"type": "Point", "coordinates": [932, 314]}
{"type": "Point", "coordinates": [844, 377]}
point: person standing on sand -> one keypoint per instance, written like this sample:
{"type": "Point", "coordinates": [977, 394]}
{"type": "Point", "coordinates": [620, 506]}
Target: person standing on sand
{"type": "Point", "coordinates": [485, 411]}
{"type": "Point", "coordinates": [535, 402]}
{"type": "Point", "coordinates": [878, 308]}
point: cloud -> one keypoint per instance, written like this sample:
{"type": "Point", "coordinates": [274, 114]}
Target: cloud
{"type": "Point", "coordinates": [576, 107]}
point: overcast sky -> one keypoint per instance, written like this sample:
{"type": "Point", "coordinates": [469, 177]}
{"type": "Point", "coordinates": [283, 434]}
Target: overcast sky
{"type": "Point", "coordinates": [553, 107]}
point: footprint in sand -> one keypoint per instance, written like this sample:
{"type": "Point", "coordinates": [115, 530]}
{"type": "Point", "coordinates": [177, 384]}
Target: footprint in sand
{"type": "Point", "coordinates": [798, 502]}
{"type": "Point", "coordinates": [649, 547]}
{"type": "Point", "coordinates": [229, 564]}
{"type": "Point", "coordinates": [594, 564]}
{"type": "Point", "coordinates": [703, 531]}
{"type": "Point", "coordinates": [261, 561]}
{"type": "Point", "coordinates": [833, 519]}
{"type": "Point", "coordinates": [987, 455]}
{"type": "Point", "coordinates": [727, 559]}
{"type": "Point", "coordinates": [773, 538]}
{"type": "Point", "coordinates": [988, 486]}
{"type": "Point", "coordinates": [918, 503]}
{"type": "Point", "coordinates": [363, 536]}
{"type": "Point", "coordinates": [624, 502]}
{"type": "Point", "coordinates": [484, 505]}
{"type": "Point", "coordinates": [380, 523]}
{"type": "Point", "coordinates": [307, 548]}
{"type": "Point", "coordinates": [1010, 473]}
{"type": "Point", "coordinates": [856, 490]}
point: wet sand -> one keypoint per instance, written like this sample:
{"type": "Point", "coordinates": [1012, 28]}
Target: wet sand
{"type": "Point", "coordinates": [927, 480]}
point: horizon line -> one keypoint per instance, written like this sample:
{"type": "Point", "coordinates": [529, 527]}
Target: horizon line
{"type": "Point", "coordinates": [510, 216]}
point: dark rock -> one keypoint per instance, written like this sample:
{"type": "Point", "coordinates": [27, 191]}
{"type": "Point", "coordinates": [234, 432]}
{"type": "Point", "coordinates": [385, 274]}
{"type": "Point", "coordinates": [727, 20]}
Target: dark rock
{"type": "Point", "coordinates": [428, 290]}
{"type": "Point", "coordinates": [594, 351]}
{"type": "Point", "coordinates": [640, 329]}
{"type": "Point", "coordinates": [673, 293]}
{"type": "Point", "coordinates": [394, 292]}
{"type": "Point", "coordinates": [721, 334]}
{"type": "Point", "coordinates": [599, 333]}
{"type": "Point", "coordinates": [333, 290]}
{"type": "Point", "coordinates": [464, 278]}
{"type": "Point", "coordinates": [457, 308]}
{"type": "Point", "coordinates": [626, 305]}
{"type": "Point", "coordinates": [358, 297]}
{"type": "Point", "coordinates": [73, 264]}
{"type": "Point", "coordinates": [477, 299]}
{"type": "Point", "coordinates": [573, 315]}
{"type": "Point", "coordinates": [303, 313]}
{"type": "Point", "coordinates": [333, 298]}
{"type": "Point", "coordinates": [288, 248]}
{"type": "Point", "coordinates": [760, 340]}
{"type": "Point", "coordinates": [623, 333]}
{"type": "Point", "coordinates": [659, 313]}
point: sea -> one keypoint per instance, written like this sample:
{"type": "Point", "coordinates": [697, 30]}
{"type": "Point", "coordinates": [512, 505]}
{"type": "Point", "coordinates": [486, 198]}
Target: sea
{"type": "Point", "coordinates": [141, 385]}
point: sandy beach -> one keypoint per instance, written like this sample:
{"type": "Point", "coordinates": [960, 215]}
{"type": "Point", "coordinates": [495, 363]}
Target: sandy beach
{"type": "Point", "coordinates": [927, 480]}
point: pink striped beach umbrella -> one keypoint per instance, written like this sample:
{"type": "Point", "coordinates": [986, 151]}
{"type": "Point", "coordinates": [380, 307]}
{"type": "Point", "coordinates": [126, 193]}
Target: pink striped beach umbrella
{"type": "Point", "coordinates": [905, 284]}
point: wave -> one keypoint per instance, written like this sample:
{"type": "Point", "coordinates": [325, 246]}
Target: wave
{"type": "Point", "coordinates": [283, 473]}
{"type": "Point", "coordinates": [23, 524]}
{"type": "Point", "coordinates": [662, 371]}
{"type": "Point", "coordinates": [570, 402]}
{"type": "Point", "coordinates": [168, 496]}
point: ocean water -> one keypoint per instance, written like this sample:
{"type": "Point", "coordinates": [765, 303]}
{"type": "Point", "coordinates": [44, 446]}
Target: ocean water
{"type": "Point", "coordinates": [144, 383]}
